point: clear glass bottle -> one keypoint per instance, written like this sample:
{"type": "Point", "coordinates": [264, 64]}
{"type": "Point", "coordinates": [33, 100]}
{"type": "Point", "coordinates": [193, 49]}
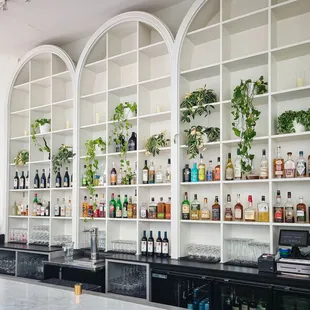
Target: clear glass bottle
{"type": "Point", "coordinates": [209, 176]}
{"type": "Point", "coordinates": [289, 209]}
{"type": "Point", "coordinates": [201, 170]}
{"type": "Point", "coordinates": [152, 173]}
{"type": "Point", "coordinates": [103, 176]}
{"type": "Point", "coordinates": [205, 212]}
{"type": "Point", "coordinates": [237, 167]}
{"type": "Point", "coordinates": [278, 209]}
{"type": "Point", "coordinates": [152, 211]}
{"type": "Point", "coordinates": [301, 166]}
{"type": "Point", "coordinates": [289, 166]}
{"type": "Point", "coordinates": [119, 177]}
{"type": "Point", "coordinates": [278, 165]}
{"type": "Point", "coordinates": [143, 211]}
{"type": "Point", "coordinates": [194, 173]}
{"type": "Point", "coordinates": [229, 169]}
{"type": "Point", "coordinates": [63, 208]}
{"type": "Point", "coordinates": [168, 172]}
{"type": "Point", "coordinates": [253, 174]}
{"type": "Point", "coordinates": [250, 212]}
{"type": "Point", "coordinates": [159, 175]}
{"type": "Point", "coordinates": [69, 208]}
{"type": "Point", "coordinates": [263, 170]}
{"type": "Point", "coordinates": [134, 176]}
{"type": "Point", "coordinates": [263, 210]}
{"type": "Point", "coordinates": [228, 210]}
{"type": "Point", "coordinates": [84, 177]}
{"type": "Point", "coordinates": [238, 210]}
{"type": "Point", "coordinates": [195, 209]}
{"type": "Point", "coordinates": [217, 170]}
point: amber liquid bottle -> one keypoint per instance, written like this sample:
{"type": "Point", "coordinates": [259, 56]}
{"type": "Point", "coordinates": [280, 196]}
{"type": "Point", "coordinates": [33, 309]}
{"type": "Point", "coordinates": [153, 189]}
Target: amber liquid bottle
{"type": "Point", "coordinates": [301, 211]}
{"type": "Point", "coordinates": [216, 210]}
{"type": "Point", "coordinates": [238, 210]}
{"type": "Point", "coordinates": [161, 209]}
{"type": "Point", "coordinates": [217, 170]}
{"type": "Point", "coordinates": [278, 165]}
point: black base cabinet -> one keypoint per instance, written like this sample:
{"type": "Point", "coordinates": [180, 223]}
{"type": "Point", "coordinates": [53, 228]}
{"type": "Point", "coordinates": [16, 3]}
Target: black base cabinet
{"type": "Point", "coordinates": [285, 298]}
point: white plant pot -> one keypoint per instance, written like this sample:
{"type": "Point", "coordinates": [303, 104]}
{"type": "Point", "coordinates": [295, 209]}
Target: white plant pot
{"type": "Point", "coordinates": [128, 113]}
{"type": "Point", "coordinates": [298, 127]}
{"type": "Point", "coordinates": [45, 128]}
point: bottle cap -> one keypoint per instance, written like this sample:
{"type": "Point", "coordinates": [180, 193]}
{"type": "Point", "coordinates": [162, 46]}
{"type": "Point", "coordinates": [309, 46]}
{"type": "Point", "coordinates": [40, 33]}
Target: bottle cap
{"type": "Point", "coordinates": [263, 198]}
{"type": "Point", "coordinates": [301, 153]}
{"type": "Point", "coordinates": [78, 289]}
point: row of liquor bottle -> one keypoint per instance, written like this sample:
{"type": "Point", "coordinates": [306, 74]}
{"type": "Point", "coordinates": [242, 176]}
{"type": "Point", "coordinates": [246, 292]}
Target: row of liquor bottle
{"type": "Point", "coordinates": [160, 247]}
{"type": "Point", "coordinates": [196, 297]}
{"type": "Point", "coordinates": [233, 171]}
{"type": "Point", "coordinates": [22, 182]}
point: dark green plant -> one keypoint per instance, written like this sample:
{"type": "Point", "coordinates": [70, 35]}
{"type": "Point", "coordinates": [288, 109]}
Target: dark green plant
{"type": "Point", "coordinates": [286, 121]}
{"type": "Point", "coordinates": [34, 130]}
{"type": "Point", "coordinates": [155, 142]}
{"type": "Point", "coordinates": [246, 116]}
{"type": "Point", "coordinates": [196, 103]}
{"type": "Point", "coordinates": [63, 156]}
{"type": "Point", "coordinates": [194, 138]}
{"type": "Point", "coordinates": [92, 164]}
{"type": "Point", "coordinates": [22, 157]}
{"type": "Point", "coordinates": [213, 134]}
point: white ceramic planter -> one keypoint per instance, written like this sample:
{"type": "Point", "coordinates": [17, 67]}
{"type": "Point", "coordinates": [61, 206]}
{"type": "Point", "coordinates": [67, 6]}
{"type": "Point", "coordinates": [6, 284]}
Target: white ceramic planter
{"type": "Point", "coordinates": [128, 113]}
{"type": "Point", "coordinates": [45, 128]}
{"type": "Point", "coordinates": [298, 127]}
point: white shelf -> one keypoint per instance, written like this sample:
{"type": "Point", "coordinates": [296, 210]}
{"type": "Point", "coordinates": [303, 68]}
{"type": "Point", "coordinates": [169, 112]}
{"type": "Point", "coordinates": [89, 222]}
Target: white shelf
{"type": "Point", "coordinates": [245, 181]}
{"type": "Point", "coordinates": [18, 217]}
{"type": "Point", "coordinates": [247, 223]}
{"type": "Point", "coordinates": [201, 222]}
{"type": "Point", "coordinates": [306, 179]}
{"type": "Point", "coordinates": [201, 183]}
{"type": "Point", "coordinates": [154, 220]}
{"type": "Point", "coordinates": [155, 185]}
{"type": "Point", "coordinates": [93, 218]}
{"type": "Point", "coordinates": [291, 224]}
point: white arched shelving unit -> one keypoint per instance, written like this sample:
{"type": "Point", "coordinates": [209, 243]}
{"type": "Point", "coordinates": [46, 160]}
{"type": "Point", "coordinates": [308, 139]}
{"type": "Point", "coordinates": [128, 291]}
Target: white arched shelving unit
{"type": "Point", "coordinates": [42, 87]}
{"type": "Point", "coordinates": [127, 59]}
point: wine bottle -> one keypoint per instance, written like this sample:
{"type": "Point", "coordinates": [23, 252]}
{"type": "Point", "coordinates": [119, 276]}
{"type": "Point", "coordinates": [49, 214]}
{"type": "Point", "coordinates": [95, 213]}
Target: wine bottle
{"type": "Point", "coordinates": [165, 246]}
{"type": "Point", "coordinates": [16, 181]}
{"type": "Point", "coordinates": [22, 181]}
{"type": "Point", "coordinates": [132, 142]}
{"type": "Point", "coordinates": [145, 173]}
{"type": "Point", "coordinates": [66, 178]}
{"type": "Point", "coordinates": [48, 182]}
{"type": "Point", "coordinates": [158, 245]}
{"type": "Point", "coordinates": [144, 244]}
{"type": "Point", "coordinates": [27, 181]}
{"type": "Point", "coordinates": [150, 245]}
{"type": "Point", "coordinates": [43, 179]}
{"type": "Point", "coordinates": [118, 208]}
{"type": "Point", "coordinates": [58, 179]}
{"type": "Point", "coordinates": [112, 206]}
{"type": "Point", "coordinates": [36, 181]}
{"type": "Point", "coordinates": [84, 178]}
{"type": "Point", "coordinates": [113, 175]}
{"type": "Point", "coordinates": [57, 208]}
{"type": "Point", "coordinates": [125, 208]}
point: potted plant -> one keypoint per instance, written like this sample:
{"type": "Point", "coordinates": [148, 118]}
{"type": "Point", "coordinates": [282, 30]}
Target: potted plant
{"type": "Point", "coordinates": [63, 156]}
{"type": "Point", "coordinates": [293, 122]}
{"type": "Point", "coordinates": [21, 158]}
{"type": "Point", "coordinates": [246, 116]}
{"type": "Point", "coordinates": [43, 124]}
{"type": "Point", "coordinates": [155, 142]}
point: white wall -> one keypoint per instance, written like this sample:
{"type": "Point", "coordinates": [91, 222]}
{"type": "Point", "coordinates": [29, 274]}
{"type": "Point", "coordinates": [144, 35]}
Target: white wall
{"type": "Point", "coordinates": [7, 67]}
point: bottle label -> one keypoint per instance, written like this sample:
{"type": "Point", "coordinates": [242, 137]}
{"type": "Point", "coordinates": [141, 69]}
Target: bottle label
{"type": "Point", "coordinates": [159, 178]}
{"type": "Point", "coordinates": [205, 214]}
{"type": "Point", "coordinates": [21, 183]}
{"type": "Point", "coordinates": [238, 214]}
{"type": "Point", "coordinates": [46, 212]}
{"type": "Point", "coordinates": [113, 178]}
{"type": "Point", "coordinates": [145, 176]}
{"type": "Point", "coordinates": [264, 170]}
{"type": "Point", "coordinates": [289, 214]}
{"type": "Point", "coordinates": [185, 208]}
{"type": "Point", "coordinates": [152, 177]}
{"type": "Point", "coordinates": [66, 182]}
{"type": "Point", "coordinates": [289, 173]}
{"type": "Point", "coordinates": [194, 175]}
{"type": "Point", "coordinates": [186, 176]}
{"type": "Point", "coordinates": [165, 248]}
{"type": "Point", "coordinates": [209, 176]}
{"type": "Point", "coordinates": [217, 174]}
{"type": "Point", "coordinates": [143, 213]}
{"type": "Point", "coordinates": [237, 172]}
{"type": "Point", "coordinates": [42, 211]}
{"type": "Point", "coordinates": [131, 146]}
{"type": "Point", "coordinates": [35, 185]}
{"type": "Point", "coordinates": [118, 212]}
{"type": "Point", "coordinates": [150, 246]}
{"type": "Point", "coordinates": [301, 169]}
{"type": "Point", "coordinates": [111, 208]}
{"type": "Point", "coordinates": [201, 174]}
{"type": "Point", "coordinates": [143, 246]}
{"type": "Point", "coordinates": [215, 214]}
{"type": "Point", "coordinates": [42, 184]}
{"type": "Point", "coordinates": [229, 173]}
{"type": "Point", "coordinates": [168, 176]}
{"type": "Point", "coordinates": [27, 182]}
{"type": "Point", "coordinates": [228, 215]}
{"type": "Point", "coordinates": [158, 247]}
{"type": "Point", "coordinates": [278, 168]}
{"type": "Point", "coordinates": [249, 215]}
{"type": "Point", "coordinates": [57, 183]}
{"type": "Point", "coordinates": [56, 211]}
{"type": "Point", "coordinates": [278, 215]}
{"type": "Point", "coordinates": [300, 214]}
{"type": "Point", "coordinates": [125, 213]}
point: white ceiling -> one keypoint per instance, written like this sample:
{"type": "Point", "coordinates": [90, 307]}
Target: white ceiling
{"type": "Point", "coordinates": [26, 25]}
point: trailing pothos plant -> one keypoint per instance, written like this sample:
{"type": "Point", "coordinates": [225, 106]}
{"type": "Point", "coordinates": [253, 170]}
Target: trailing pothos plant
{"type": "Point", "coordinates": [92, 164]}
{"type": "Point", "coordinates": [21, 158]}
{"type": "Point", "coordinates": [246, 116]}
{"type": "Point", "coordinates": [120, 136]}
{"type": "Point", "coordinates": [198, 103]}
{"type": "Point", "coordinates": [286, 121]}
{"type": "Point", "coordinates": [34, 130]}
{"type": "Point", "coordinates": [155, 142]}
{"type": "Point", "coordinates": [63, 156]}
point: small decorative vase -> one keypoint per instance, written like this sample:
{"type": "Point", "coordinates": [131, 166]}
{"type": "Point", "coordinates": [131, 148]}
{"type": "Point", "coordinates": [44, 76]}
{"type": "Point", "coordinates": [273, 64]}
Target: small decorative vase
{"type": "Point", "coordinates": [45, 128]}
{"type": "Point", "coordinates": [298, 127]}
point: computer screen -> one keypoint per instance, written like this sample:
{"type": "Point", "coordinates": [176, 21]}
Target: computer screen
{"type": "Point", "coordinates": [297, 238]}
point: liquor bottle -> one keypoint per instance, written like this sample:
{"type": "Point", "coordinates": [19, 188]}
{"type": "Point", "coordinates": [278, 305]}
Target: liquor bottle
{"type": "Point", "coordinates": [132, 142]}
{"type": "Point", "coordinates": [161, 209]}
{"type": "Point", "coordinates": [185, 208]}
{"type": "Point", "coordinates": [118, 208]}
{"type": "Point", "coordinates": [119, 177]}
{"type": "Point", "coordinates": [263, 170]}
{"type": "Point", "coordinates": [301, 166]}
{"type": "Point", "coordinates": [168, 172]}
{"type": "Point", "coordinates": [57, 208]}
{"type": "Point", "coordinates": [48, 181]}
{"type": "Point", "coordinates": [201, 170]}
{"type": "Point", "coordinates": [159, 175]}
{"type": "Point", "coordinates": [125, 207]}
{"type": "Point", "coordinates": [144, 211]}
{"type": "Point", "coordinates": [20, 208]}
{"type": "Point", "coordinates": [186, 173]}
{"type": "Point", "coordinates": [229, 169]}
{"type": "Point", "coordinates": [112, 207]}
{"type": "Point", "coordinates": [144, 244]}
{"type": "Point", "coordinates": [209, 176]}
{"type": "Point", "coordinates": [194, 173]}
{"type": "Point", "coordinates": [63, 208]}
{"type": "Point", "coordinates": [289, 166]}
{"type": "Point", "coordinates": [158, 245]}
{"type": "Point", "coordinates": [238, 210]}
{"type": "Point", "coordinates": [14, 209]}
{"type": "Point", "coordinates": [103, 176]}
{"type": "Point", "coordinates": [278, 165]}
{"type": "Point", "coordinates": [152, 173]}
{"type": "Point", "coordinates": [301, 213]}
{"type": "Point", "coordinates": [134, 175]}
{"type": "Point", "coordinates": [278, 209]}
{"type": "Point", "coordinates": [71, 180]}
{"type": "Point", "coordinates": [102, 207]}
{"type": "Point", "coordinates": [195, 209]}
{"type": "Point", "coordinates": [253, 303]}
{"type": "Point", "coordinates": [69, 208]}
{"type": "Point", "coordinates": [96, 206]}
{"type": "Point", "coordinates": [263, 210]}
{"type": "Point", "coordinates": [216, 210]}
{"type": "Point", "coordinates": [289, 209]}
{"type": "Point", "coordinates": [152, 211]}
{"type": "Point", "coordinates": [134, 205]}
{"type": "Point", "coordinates": [43, 179]}
{"type": "Point", "coordinates": [66, 178]}
{"type": "Point", "coordinates": [16, 181]}
{"type": "Point", "coordinates": [235, 303]}
{"type": "Point", "coordinates": [84, 178]}
{"type": "Point", "coordinates": [217, 170]}
{"type": "Point", "coordinates": [145, 173]}
{"type": "Point", "coordinates": [22, 181]}
{"type": "Point", "coordinates": [39, 204]}
{"type": "Point", "coordinates": [27, 181]}
{"type": "Point", "coordinates": [24, 206]}
{"type": "Point", "coordinates": [85, 207]}
{"type": "Point", "coordinates": [113, 175]}
{"type": "Point", "coordinates": [129, 208]}
{"type": "Point", "coordinates": [244, 304]}
{"type": "Point", "coordinates": [237, 167]}
{"type": "Point", "coordinates": [165, 246]}
{"type": "Point", "coordinates": [48, 209]}
{"type": "Point", "coordinates": [228, 210]}
{"type": "Point", "coordinates": [90, 212]}
{"type": "Point", "coordinates": [168, 209]}
{"type": "Point", "coordinates": [150, 245]}
{"type": "Point", "coordinates": [250, 212]}
{"type": "Point", "coordinates": [34, 205]}
{"type": "Point", "coordinates": [36, 181]}
{"type": "Point", "coordinates": [205, 212]}
{"type": "Point", "coordinates": [58, 179]}
{"type": "Point", "coordinates": [43, 207]}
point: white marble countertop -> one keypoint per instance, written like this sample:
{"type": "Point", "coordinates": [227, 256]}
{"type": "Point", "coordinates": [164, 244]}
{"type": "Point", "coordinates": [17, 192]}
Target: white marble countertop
{"type": "Point", "coordinates": [16, 295]}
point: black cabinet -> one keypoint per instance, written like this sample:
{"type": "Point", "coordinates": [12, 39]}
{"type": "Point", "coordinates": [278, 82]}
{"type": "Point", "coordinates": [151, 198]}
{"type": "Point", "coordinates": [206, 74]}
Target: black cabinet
{"type": "Point", "coordinates": [176, 289]}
